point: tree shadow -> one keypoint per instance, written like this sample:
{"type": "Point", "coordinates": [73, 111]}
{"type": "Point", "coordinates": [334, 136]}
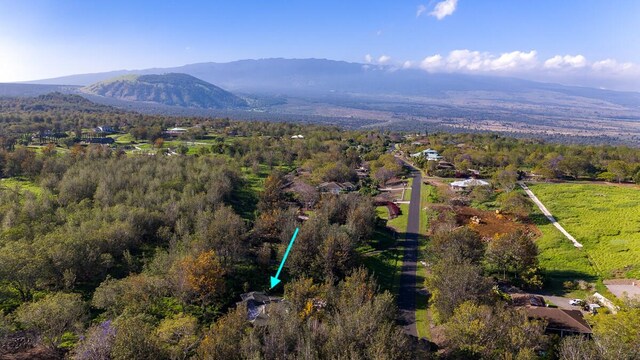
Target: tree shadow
{"type": "Point", "coordinates": [554, 281]}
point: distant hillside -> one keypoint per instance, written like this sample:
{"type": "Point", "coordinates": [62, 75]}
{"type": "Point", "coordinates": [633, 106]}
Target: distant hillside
{"type": "Point", "coordinates": [30, 90]}
{"type": "Point", "coordinates": [168, 89]}
{"type": "Point", "coordinates": [54, 102]}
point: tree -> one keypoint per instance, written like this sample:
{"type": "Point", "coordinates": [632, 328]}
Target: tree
{"type": "Point", "coordinates": [222, 231]}
{"type": "Point", "coordinates": [617, 336]}
{"type": "Point", "coordinates": [515, 252]}
{"type": "Point", "coordinates": [22, 267]}
{"type": "Point", "coordinates": [452, 282]}
{"type": "Point", "coordinates": [482, 331]}
{"type": "Point", "coordinates": [204, 276]}
{"type": "Point", "coordinates": [578, 348]}
{"type": "Point", "coordinates": [178, 335]}
{"type": "Point", "coordinates": [458, 245]}
{"type": "Point", "coordinates": [223, 340]}
{"type": "Point", "coordinates": [507, 178]}
{"type": "Point", "coordinates": [515, 203]}
{"type": "Point", "coordinates": [96, 343]}
{"type": "Point", "coordinates": [5, 325]}
{"type": "Point", "coordinates": [272, 197]}
{"type": "Point", "coordinates": [53, 315]}
{"type": "Point", "coordinates": [481, 194]}
{"type": "Point", "coordinates": [135, 339]}
{"type": "Point", "coordinates": [619, 169]}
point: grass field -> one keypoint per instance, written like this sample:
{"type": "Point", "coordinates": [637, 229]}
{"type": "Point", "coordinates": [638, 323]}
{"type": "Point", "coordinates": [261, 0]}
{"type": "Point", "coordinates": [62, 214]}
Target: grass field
{"type": "Point", "coordinates": [383, 259]}
{"type": "Point", "coordinates": [13, 183]}
{"type": "Point", "coordinates": [605, 219]}
{"type": "Point", "coordinates": [428, 194]}
{"type": "Point", "coordinates": [400, 223]}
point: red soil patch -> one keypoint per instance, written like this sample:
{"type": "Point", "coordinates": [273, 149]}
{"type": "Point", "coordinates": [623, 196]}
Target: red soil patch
{"type": "Point", "coordinates": [491, 224]}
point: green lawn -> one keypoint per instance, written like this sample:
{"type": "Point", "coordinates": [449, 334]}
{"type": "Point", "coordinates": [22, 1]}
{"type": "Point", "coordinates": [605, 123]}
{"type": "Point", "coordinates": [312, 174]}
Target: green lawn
{"type": "Point", "coordinates": [13, 183]}
{"type": "Point", "coordinates": [605, 219]}
{"type": "Point", "coordinates": [383, 259]}
{"type": "Point", "coordinates": [428, 195]}
{"type": "Point", "coordinates": [400, 223]}
{"type": "Point", "coordinates": [407, 192]}
{"type": "Point", "coordinates": [422, 301]}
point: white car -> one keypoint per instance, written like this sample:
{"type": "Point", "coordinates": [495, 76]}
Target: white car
{"type": "Point", "coordinates": [576, 302]}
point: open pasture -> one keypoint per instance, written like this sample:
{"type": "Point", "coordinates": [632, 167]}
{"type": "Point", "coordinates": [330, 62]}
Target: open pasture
{"type": "Point", "coordinates": [604, 218]}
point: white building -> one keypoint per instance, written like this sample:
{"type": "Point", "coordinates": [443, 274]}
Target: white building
{"type": "Point", "coordinates": [430, 154]}
{"type": "Point", "coordinates": [468, 184]}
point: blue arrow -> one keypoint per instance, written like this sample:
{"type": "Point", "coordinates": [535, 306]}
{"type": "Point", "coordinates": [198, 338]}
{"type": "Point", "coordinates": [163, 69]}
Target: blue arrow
{"type": "Point", "coordinates": [274, 280]}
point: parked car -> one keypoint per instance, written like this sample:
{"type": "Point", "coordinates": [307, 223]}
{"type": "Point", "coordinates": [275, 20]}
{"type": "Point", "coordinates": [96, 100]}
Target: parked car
{"type": "Point", "coordinates": [576, 302]}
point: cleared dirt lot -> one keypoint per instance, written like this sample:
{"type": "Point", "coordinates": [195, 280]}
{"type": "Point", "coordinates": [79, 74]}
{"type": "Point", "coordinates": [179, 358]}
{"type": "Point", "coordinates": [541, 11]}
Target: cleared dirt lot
{"type": "Point", "coordinates": [620, 290]}
{"type": "Point", "coordinates": [490, 223]}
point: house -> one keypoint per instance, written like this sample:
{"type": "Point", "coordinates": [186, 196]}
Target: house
{"type": "Point", "coordinates": [336, 188]}
{"type": "Point", "coordinates": [176, 131]}
{"type": "Point", "coordinates": [393, 208]}
{"type": "Point", "coordinates": [467, 184]}
{"type": "Point", "coordinates": [560, 321]}
{"type": "Point", "coordinates": [445, 165]}
{"type": "Point", "coordinates": [258, 305]}
{"type": "Point", "coordinates": [105, 129]}
{"type": "Point", "coordinates": [430, 154]}
{"type": "Point", "coordinates": [362, 172]}
{"type": "Point", "coordinates": [523, 299]}
{"type": "Point", "coordinates": [102, 140]}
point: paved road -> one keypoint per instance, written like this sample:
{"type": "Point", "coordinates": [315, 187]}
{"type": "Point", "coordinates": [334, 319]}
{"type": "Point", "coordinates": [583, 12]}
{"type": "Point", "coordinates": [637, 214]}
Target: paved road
{"type": "Point", "coordinates": [407, 292]}
{"type": "Point", "coordinates": [547, 213]}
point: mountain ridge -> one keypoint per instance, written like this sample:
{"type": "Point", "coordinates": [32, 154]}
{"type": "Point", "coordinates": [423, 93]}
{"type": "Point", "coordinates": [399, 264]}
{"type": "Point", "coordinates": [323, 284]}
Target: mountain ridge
{"type": "Point", "coordinates": [172, 89]}
{"type": "Point", "coordinates": [318, 77]}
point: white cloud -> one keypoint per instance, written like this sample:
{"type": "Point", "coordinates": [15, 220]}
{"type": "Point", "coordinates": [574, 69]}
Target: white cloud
{"type": "Point", "coordinates": [611, 65]}
{"type": "Point", "coordinates": [384, 59]}
{"type": "Point", "coordinates": [443, 9]}
{"type": "Point", "coordinates": [570, 61]}
{"type": "Point", "coordinates": [431, 62]}
{"type": "Point", "coordinates": [514, 60]}
{"type": "Point", "coordinates": [467, 60]}
{"type": "Point", "coordinates": [368, 58]}
{"type": "Point", "coordinates": [421, 10]}
{"type": "Point", "coordinates": [570, 69]}
{"type": "Point", "coordinates": [379, 32]}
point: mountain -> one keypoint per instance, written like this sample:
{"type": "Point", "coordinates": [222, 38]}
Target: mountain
{"type": "Point", "coordinates": [172, 89]}
{"type": "Point", "coordinates": [366, 95]}
{"type": "Point", "coordinates": [321, 77]}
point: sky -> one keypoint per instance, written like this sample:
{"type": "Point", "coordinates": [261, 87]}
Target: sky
{"type": "Point", "coordinates": [584, 42]}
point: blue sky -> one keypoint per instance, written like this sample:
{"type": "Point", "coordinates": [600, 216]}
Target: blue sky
{"type": "Point", "coordinates": [563, 40]}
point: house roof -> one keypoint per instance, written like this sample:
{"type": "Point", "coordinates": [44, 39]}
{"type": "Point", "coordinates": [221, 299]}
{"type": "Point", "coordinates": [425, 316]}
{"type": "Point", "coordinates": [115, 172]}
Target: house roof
{"type": "Point", "coordinates": [527, 300]}
{"type": "Point", "coordinates": [336, 186]}
{"type": "Point", "coordinates": [257, 304]}
{"type": "Point", "coordinates": [560, 319]}
{"type": "Point", "coordinates": [470, 183]}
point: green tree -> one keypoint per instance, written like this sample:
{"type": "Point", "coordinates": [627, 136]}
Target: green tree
{"type": "Point", "coordinates": [452, 282]}
{"type": "Point", "coordinates": [53, 315]}
{"type": "Point", "coordinates": [222, 341]}
{"type": "Point", "coordinates": [515, 203]}
{"type": "Point", "coordinates": [135, 339]}
{"type": "Point", "coordinates": [514, 252]}
{"type": "Point", "coordinates": [485, 332]}
{"type": "Point", "coordinates": [507, 178]}
{"type": "Point", "coordinates": [178, 335]}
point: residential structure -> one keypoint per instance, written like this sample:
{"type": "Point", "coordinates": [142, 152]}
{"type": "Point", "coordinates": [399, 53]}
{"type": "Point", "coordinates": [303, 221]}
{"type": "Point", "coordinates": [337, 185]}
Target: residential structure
{"type": "Point", "coordinates": [258, 305]}
{"type": "Point", "coordinates": [560, 321]}
{"type": "Point", "coordinates": [467, 184]}
{"type": "Point", "coordinates": [430, 154]}
{"type": "Point", "coordinates": [336, 188]}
